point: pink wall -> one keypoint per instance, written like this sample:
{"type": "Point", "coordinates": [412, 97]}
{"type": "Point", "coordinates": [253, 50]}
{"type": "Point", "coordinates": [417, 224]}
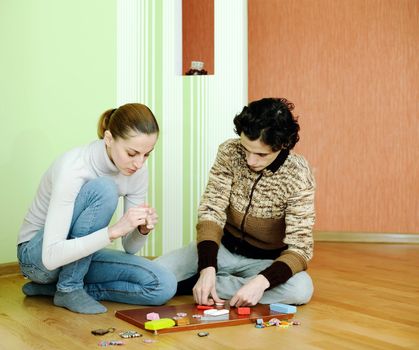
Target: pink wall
{"type": "Point", "coordinates": [351, 68]}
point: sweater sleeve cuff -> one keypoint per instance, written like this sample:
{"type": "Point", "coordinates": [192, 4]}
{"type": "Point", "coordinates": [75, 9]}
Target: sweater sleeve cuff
{"type": "Point", "coordinates": [207, 255]}
{"type": "Point", "coordinates": [277, 273]}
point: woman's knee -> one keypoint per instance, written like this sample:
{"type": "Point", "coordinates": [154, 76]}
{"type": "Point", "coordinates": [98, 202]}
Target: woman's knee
{"type": "Point", "coordinates": [167, 285]}
{"type": "Point", "coordinates": [159, 288]}
{"type": "Point", "coordinates": [39, 274]}
{"type": "Point", "coordinates": [103, 190]}
{"type": "Point", "coordinates": [104, 187]}
{"type": "Point", "coordinates": [156, 281]}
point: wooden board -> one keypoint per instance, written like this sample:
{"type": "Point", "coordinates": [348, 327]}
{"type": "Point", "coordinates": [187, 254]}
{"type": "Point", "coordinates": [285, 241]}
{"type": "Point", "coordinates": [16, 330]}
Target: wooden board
{"type": "Point", "coordinates": [137, 317]}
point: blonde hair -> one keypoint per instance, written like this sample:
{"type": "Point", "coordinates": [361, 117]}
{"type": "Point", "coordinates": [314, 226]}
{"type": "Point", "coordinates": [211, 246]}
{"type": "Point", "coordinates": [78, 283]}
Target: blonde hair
{"type": "Point", "coordinates": [131, 116]}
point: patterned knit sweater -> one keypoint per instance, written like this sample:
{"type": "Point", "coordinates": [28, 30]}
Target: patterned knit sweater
{"type": "Point", "coordinates": [269, 214]}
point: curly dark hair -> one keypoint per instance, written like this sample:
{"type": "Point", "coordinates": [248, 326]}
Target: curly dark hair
{"type": "Point", "coordinates": [271, 120]}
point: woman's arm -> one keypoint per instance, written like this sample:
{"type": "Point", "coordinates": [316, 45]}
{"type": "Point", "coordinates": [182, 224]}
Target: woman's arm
{"type": "Point", "coordinates": [136, 198]}
{"type": "Point", "coordinates": [57, 250]}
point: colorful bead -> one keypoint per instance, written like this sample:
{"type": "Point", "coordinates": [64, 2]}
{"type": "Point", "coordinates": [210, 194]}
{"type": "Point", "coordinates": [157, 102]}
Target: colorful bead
{"type": "Point", "coordinates": [259, 323]}
{"type": "Point", "coordinates": [148, 341]}
{"type": "Point", "coordinates": [274, 322]}
{"type": "Point", "coordinates": [116, 342]}
{"type": "Point", "coordinates": [130, 334]}
{"type": "Point", "coordinates": [103, 331]}
{"type": "Point", "coordinates": [105, 343]}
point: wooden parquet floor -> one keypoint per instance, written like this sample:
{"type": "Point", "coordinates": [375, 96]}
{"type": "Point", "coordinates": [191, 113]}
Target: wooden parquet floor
{"type": "Point", "coordinates": [366, 297]}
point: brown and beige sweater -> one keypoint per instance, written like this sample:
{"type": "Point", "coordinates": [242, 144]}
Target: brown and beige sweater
{"type": "Point", "coordinates": [269, 214]}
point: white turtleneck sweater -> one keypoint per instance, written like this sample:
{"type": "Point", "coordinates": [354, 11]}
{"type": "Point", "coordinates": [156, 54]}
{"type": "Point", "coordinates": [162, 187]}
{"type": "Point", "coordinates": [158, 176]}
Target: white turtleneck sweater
{"type": "Point", "coordinates": [53, 205]}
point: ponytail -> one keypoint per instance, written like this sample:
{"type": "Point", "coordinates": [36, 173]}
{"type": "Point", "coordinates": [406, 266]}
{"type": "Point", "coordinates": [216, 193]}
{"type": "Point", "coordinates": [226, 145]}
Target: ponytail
{"type": "Point", "coordinates": [103, 123]}
{"type": "Point", "coordinates": [127, 118]}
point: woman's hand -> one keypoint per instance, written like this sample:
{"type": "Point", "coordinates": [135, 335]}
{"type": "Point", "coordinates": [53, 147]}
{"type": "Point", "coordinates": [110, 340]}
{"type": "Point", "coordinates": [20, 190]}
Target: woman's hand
{"type": "Point", "coordinates": [132, 218]}
{"type": "Point", "coordinates": [151, 220]}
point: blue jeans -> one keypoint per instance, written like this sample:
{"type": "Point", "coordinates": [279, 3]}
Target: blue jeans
{"type": "Point", "coordinates": [234, 271]}
{"type": "Point", "coordinates": [107, 274]}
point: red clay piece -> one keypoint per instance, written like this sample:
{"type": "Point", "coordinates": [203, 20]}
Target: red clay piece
{"type": "Point", "coordinates": [204, 307]}
{"type": "Point", "coordinates": [243, 310]}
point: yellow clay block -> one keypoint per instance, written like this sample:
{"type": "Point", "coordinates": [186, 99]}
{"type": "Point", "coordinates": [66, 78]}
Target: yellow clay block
{"type": "Point", "coordinates": [155, 325]}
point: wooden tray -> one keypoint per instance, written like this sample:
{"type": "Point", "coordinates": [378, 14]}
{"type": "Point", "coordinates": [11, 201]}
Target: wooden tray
{"type": "Point", "coordinates": [137, 317]}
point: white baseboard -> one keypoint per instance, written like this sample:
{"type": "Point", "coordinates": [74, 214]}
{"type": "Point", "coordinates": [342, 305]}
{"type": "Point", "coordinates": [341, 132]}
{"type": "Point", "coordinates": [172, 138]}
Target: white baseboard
{"type": "Point", "coordinates": [366, 237]}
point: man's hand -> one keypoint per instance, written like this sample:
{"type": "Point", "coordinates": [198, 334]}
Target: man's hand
{"type": "Point", "coordinates": [204, 290]}
{"type": "Point", "coordinates": [251, 292]}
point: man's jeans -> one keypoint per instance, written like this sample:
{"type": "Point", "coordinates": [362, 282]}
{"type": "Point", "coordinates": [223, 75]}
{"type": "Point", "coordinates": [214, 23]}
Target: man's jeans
{"type": "Point", "coordinates": [234, 271]}
{"type": "Point", "coordinates": [107, 274]}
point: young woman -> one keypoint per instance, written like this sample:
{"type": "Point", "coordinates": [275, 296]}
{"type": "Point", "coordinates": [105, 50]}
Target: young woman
{"type": "Point", "coordinates": [61, 242]}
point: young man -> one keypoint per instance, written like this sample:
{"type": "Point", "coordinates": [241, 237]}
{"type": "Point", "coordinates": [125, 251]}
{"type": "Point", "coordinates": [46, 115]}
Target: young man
{"type": "Point", "coordinates": [255, 219]}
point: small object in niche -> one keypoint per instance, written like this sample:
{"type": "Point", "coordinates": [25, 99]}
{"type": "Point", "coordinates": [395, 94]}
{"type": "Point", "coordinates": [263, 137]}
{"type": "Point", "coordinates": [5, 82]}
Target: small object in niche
{"type": "Point", "coordinates": [103, 331]}
{"type": "Point", "coordinates": [197, 68]}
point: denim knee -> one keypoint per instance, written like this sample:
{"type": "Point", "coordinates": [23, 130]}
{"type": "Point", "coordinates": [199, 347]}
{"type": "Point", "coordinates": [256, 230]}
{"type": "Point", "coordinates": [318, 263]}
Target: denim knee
{"type": "Point", "coordinates": [167, 287]}
{"type": "Point", "coordinates": [103, 189]}
{"type": "Point", "coordinates": [303, 288]}
{"type": "Point", "coordinates": [104, 186]}
{"type": "Point", "coordinates": [37, 274]}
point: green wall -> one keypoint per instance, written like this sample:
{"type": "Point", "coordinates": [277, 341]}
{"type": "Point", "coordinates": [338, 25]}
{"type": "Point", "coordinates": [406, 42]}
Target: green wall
{"type": "Point", "coordinates": [57, 75]}
{"type": "Point", "coordinates": [63, 62]}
